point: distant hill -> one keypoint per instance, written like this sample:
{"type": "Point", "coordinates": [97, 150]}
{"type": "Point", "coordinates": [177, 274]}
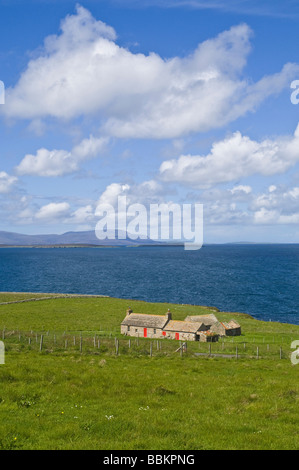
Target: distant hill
{"type": "Point", "coordinates": [68, 238]}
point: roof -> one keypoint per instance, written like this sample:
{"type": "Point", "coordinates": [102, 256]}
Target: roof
{"type": "Point", "coordinates": [229, 325]}
{"type": "Point", "coordinates": [205, 319]}
{"type": "Point", "coordinates": [183, 326]}
{"type": "Point", "coordinates": [145, 320]}
{"type": "Point", "coordinates": [234, 324]}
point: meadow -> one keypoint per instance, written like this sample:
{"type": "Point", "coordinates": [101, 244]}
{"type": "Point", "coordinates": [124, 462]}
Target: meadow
{"type": "Point", "coordinates": [71, 381]}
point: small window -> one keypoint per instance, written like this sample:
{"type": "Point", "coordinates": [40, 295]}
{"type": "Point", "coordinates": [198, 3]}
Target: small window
{"type": "Point", "coordinates": [155, 331]}
{"type": "Point", "coordinates": [128, 328]}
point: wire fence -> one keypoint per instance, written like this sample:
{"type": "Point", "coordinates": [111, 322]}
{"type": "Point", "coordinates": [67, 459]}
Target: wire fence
{"type": "Point", "coordinates": [111, 343]}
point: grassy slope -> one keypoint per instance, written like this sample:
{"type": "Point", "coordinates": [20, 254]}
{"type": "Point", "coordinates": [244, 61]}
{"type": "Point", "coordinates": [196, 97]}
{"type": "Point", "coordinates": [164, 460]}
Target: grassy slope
{"type": "Point", "coordinates": [94, 400]}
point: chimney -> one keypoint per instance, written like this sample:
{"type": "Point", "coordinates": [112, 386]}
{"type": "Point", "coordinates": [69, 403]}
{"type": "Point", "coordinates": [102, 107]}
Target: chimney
{"type": "Point", "coordinates": [169, 315]}
{"type": "Point", "coordinates": [129, 311]}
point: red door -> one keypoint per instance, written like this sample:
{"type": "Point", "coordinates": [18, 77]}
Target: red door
{"type": "Point", "coordinates": [145, 332]}
{"type": "Point", "coordinates": [177, 336]}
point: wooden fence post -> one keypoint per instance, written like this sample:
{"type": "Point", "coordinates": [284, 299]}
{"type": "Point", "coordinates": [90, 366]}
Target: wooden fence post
{"type": "Point", "coordinates": [41, 342]}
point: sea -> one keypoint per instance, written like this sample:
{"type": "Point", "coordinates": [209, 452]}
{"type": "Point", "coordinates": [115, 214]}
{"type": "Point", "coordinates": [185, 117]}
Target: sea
{"type": "Point", "coordinates": [261, 280]}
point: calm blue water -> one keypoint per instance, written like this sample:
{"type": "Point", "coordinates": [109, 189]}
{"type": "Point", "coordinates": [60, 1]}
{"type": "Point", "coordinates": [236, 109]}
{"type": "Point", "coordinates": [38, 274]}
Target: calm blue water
{"type": "Point", "coordinates": [261, 280]}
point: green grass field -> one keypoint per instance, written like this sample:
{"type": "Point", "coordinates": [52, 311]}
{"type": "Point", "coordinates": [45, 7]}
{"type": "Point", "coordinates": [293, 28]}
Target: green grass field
{"type": "Point", "coordinates": [62, 397]}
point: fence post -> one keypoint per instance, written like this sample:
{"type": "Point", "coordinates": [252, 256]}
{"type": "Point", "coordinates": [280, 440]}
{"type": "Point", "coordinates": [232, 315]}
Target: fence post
{"type": "Point", "coordinates": [257, 352]}
{"type": "Point", "coordinates": [280, 352]}
{"type": "Point", "coordinates": [236, 352]}
{"type": "Point", "coordinates": [116, 346]}
{"type": "Point", "coordinates": [80, 342]}
{"type": "Point", "coordinates": [41, 342]}
{"type": "Point", "coordinates": [151, 349]}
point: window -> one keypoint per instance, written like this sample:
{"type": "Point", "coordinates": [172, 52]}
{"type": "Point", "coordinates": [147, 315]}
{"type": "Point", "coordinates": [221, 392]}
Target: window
{"type": "Point", "coordinates": [128, 328]}
{"type": "Point", "coordinates": [155, 331]}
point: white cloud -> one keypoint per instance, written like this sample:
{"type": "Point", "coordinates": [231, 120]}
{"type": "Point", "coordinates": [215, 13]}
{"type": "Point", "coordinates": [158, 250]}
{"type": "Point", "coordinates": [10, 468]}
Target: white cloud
{"type": "Point", "coordinates": [83, 71]}
{"type": "Point", "coordinates": [241, 189]}
{"type": "Point", "coordinates": [233, 158]}
{"type": "Point", "coordinates": [279, 206]}
{"type": "Point", "coordinates": [53, 211]}
{"type": "Point", "coordinates": [111, 193]}
{"type": "Point", "coordinates": [6, 182]}
{"type": "Point", "coordinates": [60, 162]}
{"type": "Point", "coordinates": [82, 215]}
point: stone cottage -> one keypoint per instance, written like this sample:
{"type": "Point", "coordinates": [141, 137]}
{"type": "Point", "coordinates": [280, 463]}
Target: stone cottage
{"type": "Point", "coordinates": [183, 330]}
{"type": "Point", "coordinates": [204, 328]}
{"type": "Point", "coordinates": [231, 328]}
{"type": "Point", "coordinates": [144, 325]}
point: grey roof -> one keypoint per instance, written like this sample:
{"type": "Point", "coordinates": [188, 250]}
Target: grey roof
{"type": "Point", "coordinates": [182, 326]}
{"type": "Point", "coordinates": [231, 325]}
{"type": "Point", "coordinates": [145, 320]}
{"type": "Point", "coordinates": [234, 324]}
{"type": "Point", "coordinates": [205, 319]}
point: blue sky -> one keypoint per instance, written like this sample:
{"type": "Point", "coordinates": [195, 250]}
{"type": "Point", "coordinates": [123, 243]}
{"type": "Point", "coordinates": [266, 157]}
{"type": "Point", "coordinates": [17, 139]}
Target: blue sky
{"type": "Point", "coordinates": [161, 101]}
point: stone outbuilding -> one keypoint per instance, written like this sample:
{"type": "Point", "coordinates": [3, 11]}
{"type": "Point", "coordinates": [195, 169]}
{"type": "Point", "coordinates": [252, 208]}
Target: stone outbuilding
{"type": "Point", "coordinates": [183, 330]}
{"type": "Point", "coordinates": [208, 337]}
{"type": "Point", "coordinates": [231, 328]}
{"type": "Point", "coordinates": [144, 325]}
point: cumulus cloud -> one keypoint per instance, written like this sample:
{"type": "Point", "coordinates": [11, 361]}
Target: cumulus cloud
{"type": "Point", "coordinates": [6, 182]}
{"type": "Point", "coordinates": [60, 162]}
{"type": "Point", "coordinates": [145, 193]}
{"type": "Point", "coordinates": [82, 215]}
{"type": "Point", "coordinates": [235, 157]}
{"type": "Point", "coordinates": [83, 71]}
{"type": "Point", "coordinates": [279, 205]}
{"type": "Point", "coordinates": [53, 211]}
